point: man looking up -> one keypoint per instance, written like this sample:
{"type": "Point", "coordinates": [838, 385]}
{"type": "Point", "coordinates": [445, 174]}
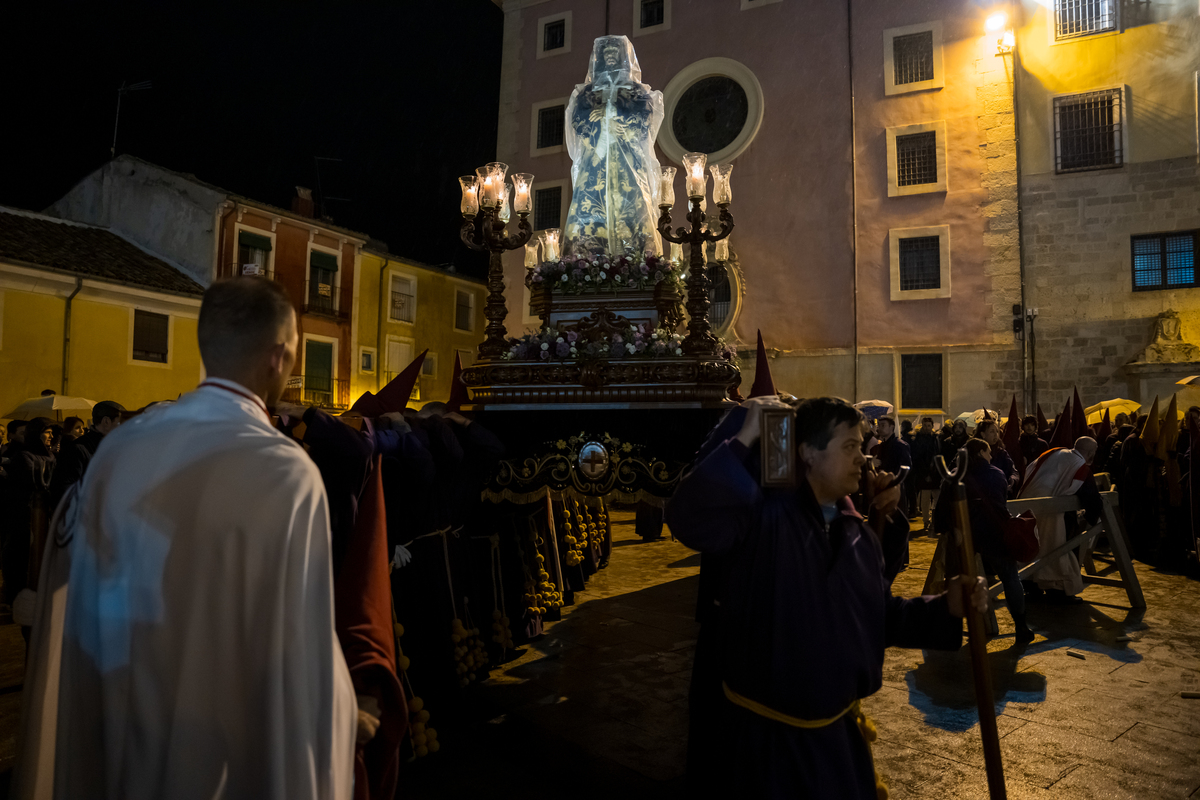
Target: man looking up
{"type": "Point", "coordinates": [198, 651]}
{"type": "Point", "coordinates": [805, 608]}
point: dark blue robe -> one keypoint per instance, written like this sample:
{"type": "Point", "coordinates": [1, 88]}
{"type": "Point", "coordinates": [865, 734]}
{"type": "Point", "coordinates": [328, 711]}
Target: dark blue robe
{"type": "Point", "coordinates": [805, 615]}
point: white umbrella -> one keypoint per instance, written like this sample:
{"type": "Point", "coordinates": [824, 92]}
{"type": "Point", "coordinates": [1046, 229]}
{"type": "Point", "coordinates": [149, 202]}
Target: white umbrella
{"type": "Point", "coordinates": [50, 406]}
{"type": "Point", "coordinates": [874, 409]}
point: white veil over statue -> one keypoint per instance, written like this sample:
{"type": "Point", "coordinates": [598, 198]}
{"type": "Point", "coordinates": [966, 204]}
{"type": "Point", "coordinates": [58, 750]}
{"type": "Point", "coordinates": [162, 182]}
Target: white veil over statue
{"type": "Point", "coordinates": [612, 120]}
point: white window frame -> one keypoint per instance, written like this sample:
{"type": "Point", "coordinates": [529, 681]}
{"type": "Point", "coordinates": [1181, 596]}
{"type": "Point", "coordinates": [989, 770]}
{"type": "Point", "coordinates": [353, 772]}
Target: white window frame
{"type": "Point", "coordinates": [397, 273]}
{"type": "Point", "coordinates": [894, 237]}
{"type": "Point", "coordinates": [894, 189]}
{"type": "Point", "coordinates": [238, 227]}
{"type": "Point", "coordinates": [534, 150]}
{"type": "Point", "coordinates": [898, 374]}
{"type": "Point", "coordinates": [466, 357]}
{"type": "Point", "coordinates": [303, 356]}
{"type": "Point", "coordinates": [564, 207]}
{"type": "Point", "coordinates": [541, 35]}
{"type": "Point", "coordinates": [747, 5]}
{"type": "Point", "coordinates": [1052, 25]}
{"type": "Point", "coordinates": [692, 74]}
{"type": "Point", "coordinates": [137, 362]}
{"type": "Point", "coordinates": [336, 252]}
{"type": "Point", "coordinates": [374, 360]}
{"type": "Point", "coordinates": [638, 30]}
{"type": "Point", "coordinates": [454, 312]}
{"type": "Point", "coordinates": [430, 358]}
{"type": "Point", "coordinates": [1125, 154]}
{"type": "Point", "coordinates": [890, 86]}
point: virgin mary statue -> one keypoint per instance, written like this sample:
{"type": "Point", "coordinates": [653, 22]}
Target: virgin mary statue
{"type": "Point", "coordinates": [612, 120]}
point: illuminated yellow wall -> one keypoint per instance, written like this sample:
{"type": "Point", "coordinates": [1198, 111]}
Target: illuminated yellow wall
{"type": "Point", "coordinates": [101, 367]}
{"type": "Point", "coordinates": [1155, 58]}
{"type": "Point", "coordinates": [432, 327]}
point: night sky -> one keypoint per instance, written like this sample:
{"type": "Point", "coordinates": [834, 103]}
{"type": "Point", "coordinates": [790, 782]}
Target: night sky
{"type": "Point", "coordinates": [245, 94]}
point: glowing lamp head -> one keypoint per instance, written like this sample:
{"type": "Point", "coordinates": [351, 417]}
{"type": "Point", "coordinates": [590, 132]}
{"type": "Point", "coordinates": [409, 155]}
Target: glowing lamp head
{"type": "Point", "coordinates": [996, 22]}
{"type": "Point", "coordinates": [1008, 40]}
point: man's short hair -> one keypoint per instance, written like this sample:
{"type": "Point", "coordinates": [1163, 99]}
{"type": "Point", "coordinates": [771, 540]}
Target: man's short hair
{"type": "Point", "coordinates": [240, 318]}
{"type": "Point", "coordinates": [975, 448]}
{"type": "Point", "coordinates": [816, 418]}
{"type": "Point", "coordinates": [15, 425]}
{"type": "Point", "coordinates": [48, 392]}
{"type": "Point", "coordinates": [106, 409]}
{"type": "Point", "coordinates": [983, 426]}
{"type": "Point", "coordinates": [927, 419]}
{"type": "Point", "coordinates": [1029, 419]}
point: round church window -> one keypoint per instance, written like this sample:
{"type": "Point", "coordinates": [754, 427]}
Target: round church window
{"type": "Point", "coordinates": [710, 114]}
{"type": "Point", "coordinates": [713, 106]}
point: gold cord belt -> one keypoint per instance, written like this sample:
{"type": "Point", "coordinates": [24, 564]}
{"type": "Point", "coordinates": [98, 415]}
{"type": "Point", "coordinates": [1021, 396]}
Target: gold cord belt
{"type": "Point", "coordinates": [865, 725]}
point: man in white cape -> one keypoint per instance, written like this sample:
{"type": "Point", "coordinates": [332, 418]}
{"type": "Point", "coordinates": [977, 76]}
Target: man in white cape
{"type": "Point", "coordinates": [184, 645]}
{"type": "Point", "coordinates": [1058, 473]}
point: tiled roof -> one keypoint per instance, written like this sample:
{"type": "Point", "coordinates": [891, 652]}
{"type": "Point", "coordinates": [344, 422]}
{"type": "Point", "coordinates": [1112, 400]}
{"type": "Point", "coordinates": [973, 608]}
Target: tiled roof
{"type": "Point", "coordinates": [83, 250]}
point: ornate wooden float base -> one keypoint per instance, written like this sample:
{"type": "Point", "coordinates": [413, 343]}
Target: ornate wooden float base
{"type": "Point", "coordinates": [684, 379]}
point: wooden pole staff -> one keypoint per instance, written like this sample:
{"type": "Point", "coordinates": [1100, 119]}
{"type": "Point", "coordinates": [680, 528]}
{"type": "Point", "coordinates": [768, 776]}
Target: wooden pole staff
{"type": "Point", "coordinates": [975, 630]}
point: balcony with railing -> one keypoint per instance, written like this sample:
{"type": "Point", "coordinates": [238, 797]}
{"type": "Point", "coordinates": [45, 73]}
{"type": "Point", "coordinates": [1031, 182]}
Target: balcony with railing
{"type": "Point", "coordinates": [324, 299]}
{"type": "Point", "coordinates": [404, 307]}
{"type": "Point", "coordinates": [317, 390]}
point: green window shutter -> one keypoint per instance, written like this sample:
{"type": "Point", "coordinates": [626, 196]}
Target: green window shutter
{"type": "Point", "coordinates": [247, 239]}
{"type": "Point", "coordinates": [323, 261]}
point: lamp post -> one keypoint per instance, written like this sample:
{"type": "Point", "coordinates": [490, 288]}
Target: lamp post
{"type": "Point", "coordinates": [484, 208]}
{"type": "Point", "coordinates": [700, 339]}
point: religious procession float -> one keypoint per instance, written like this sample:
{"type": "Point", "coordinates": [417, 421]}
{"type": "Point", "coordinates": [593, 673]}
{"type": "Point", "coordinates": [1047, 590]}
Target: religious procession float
{"type": "Point", "coordinates": [613, 394]}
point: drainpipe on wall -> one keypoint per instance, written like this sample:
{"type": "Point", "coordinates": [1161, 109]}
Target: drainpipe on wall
{"type": "Point", "coordinates": [379, 325]}
{"type": "Point", "coordinates": [221, 239]}
{"type": "Point", "coordinates": [67, 333]}
{"type": "Point", "coordinates": [1028, 365]}
{"type": "Point", "coordinates": [853, 184]}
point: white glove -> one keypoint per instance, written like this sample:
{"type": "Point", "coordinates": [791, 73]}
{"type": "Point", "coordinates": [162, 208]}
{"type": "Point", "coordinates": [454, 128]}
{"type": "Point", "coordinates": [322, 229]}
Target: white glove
{"type": "Point", "coordinates": [24, 607]}
{"type": "Point", "coordinates": [401, 557]}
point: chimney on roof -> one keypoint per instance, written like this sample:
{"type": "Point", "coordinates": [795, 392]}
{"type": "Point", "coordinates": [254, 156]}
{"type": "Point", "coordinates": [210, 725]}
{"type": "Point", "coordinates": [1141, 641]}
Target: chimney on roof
{"type": "Point", "coordinates": [302, 203]}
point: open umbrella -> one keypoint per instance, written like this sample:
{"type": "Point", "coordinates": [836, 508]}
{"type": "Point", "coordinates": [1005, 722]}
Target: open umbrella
{"type": "Point", "coordinates": [1190, 380]}
{"type": "Point", "coordinates": [1115, 406]}
{"type": "Point", "coordinates": [973, 418]}
{"type": "Point", "coordinates": [51, 406]}
{"type": "Point", "coordinates": [874, 409]}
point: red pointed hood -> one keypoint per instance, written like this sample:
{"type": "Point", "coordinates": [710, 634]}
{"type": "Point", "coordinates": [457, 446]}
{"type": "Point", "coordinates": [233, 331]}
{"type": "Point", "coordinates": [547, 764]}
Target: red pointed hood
{"type": "Point", "coordinates": [1012, 436]}
{"type": "Point", "coordinates": [1105, 430]}
{"type": "Point", "coordinates": [763, 384]}
{"type": "Point", "coordinates": [394, 396]}
{"type": "Point", "coordinates": [1079, 426]}
{"type": "Point", "coordinates": [1064, 429]}
{"type": "Point", "coordinates": [458, 389]}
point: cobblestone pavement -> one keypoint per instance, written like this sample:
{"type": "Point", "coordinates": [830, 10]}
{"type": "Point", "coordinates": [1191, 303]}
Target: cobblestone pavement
{"type": "Point", "coordinates": [598, 706]}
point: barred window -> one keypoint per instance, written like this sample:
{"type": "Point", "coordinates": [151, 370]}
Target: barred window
{"type": "Point", "coordinates": [1164, 260]}
{"type": "Point", "coordinates": [720, 294]}
{"type": "Point", "coordinates": [921, 380]}
{"type": "Point", "coordinates": [550, 126]}
{"type": "Point", "coordinates": [912, 57]}
{"type": "Point", "coordinates": [652, 13]}
{"type": "Point", "coordinates": [554, 35]}
{"type": "Point", "coordinates": [1087, 131]}
{"type": "Point", "coordinates": [1075, 18]}
{"type": "Point", "coordinates": [920, 263]}
{"type": "Point", "coordinates": [403, 307]}
{"type": "Point", "coordinates": [916, 159]}
{"type": "Point", "coordinates": [547, 207]}
{"type": "Point", "coordinates": [150, 335]}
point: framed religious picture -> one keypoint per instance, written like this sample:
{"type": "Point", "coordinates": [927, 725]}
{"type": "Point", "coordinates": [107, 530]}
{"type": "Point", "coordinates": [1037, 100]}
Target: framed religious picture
{"type": "Point", "coordinates": [778, 448]}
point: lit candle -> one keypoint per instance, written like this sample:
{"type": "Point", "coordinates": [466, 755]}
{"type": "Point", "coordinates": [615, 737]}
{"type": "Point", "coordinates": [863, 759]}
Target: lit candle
{"type": "Point", "coordinates": [470, 196]}
{"type": "Point", "coordinates": [666, 187]}
{"type": "Point", "coordinates": [723, 250]}
{"type": "Point", "coordinates": [487, 194]}
{"type": "Point", "coordinates": [522, 189]}
{"type": "Point", "coordinates": [694, 163]}
{"type": "Point", "coordinates": [721, 191]}
{"type": "Point", "coordinates": [677, 253]}
{"type": "Point", "coordinates": [550, 244]}
{"type": "Point", "coordinates": [531, 253]}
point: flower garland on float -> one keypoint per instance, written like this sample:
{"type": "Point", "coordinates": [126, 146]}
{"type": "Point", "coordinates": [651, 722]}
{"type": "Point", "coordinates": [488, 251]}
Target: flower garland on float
{"type": "Point", "coordinates": [579, 274]}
